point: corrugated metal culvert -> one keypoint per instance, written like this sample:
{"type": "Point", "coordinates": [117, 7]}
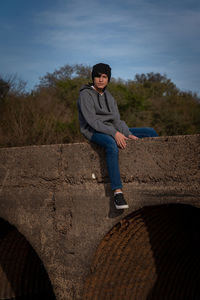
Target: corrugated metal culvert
{"type": "Point", "coordinates": [22, 274]}
{"type": "Point", "coordinates": [152, 254]}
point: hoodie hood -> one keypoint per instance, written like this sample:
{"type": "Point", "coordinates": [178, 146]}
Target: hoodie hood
{"type": "Point", "coordinates": [89, 86]}
{"type": "Point", "coordinates": [86, 87]}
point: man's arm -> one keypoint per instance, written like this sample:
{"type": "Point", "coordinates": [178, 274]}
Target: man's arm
{"type": "Point", "coordinates": [120, 124]}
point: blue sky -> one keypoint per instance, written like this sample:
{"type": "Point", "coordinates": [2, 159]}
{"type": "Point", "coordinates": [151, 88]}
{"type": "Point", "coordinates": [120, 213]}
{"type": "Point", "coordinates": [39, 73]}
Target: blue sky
{"type": "Point", "coordinates": [133, 36]}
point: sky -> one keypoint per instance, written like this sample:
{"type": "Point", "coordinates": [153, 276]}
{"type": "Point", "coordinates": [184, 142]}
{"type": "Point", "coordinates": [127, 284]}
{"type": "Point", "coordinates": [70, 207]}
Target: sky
{"type": "Point", "coordinates": [132, 36]}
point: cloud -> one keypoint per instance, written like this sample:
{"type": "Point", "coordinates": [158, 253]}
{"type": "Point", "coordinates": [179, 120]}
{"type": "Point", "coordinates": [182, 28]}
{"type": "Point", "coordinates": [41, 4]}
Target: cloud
{"type": "Point", "coordinates": [132, 35]}
{"type": "Point", "coordinates": [92, 26]}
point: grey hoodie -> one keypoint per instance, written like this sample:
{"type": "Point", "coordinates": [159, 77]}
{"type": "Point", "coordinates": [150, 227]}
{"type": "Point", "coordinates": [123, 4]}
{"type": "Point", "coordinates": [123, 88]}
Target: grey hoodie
{"type": "Point", "coordinates": [99, 113]}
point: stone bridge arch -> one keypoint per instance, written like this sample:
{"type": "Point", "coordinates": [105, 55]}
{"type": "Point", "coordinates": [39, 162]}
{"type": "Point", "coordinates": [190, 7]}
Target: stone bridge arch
{"type": "Point", "coordinates": [22, 274]}
{"type": "Point", "coordinates": [58, 197]}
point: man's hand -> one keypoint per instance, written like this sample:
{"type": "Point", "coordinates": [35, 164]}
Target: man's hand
{"type": "Point", "coordinates": [132, 137]}
{"type": "Point", "coordinates": [120, 139]}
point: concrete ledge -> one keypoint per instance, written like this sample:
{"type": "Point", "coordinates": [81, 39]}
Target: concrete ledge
{"type": "Point", "coordinates": [58, 196]}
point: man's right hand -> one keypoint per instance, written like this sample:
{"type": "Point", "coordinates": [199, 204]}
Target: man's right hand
{"type": "Point", "coordinates": [120, 140]}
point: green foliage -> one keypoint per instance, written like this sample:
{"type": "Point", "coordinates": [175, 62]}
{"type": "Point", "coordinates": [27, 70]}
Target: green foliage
{"type": "Point", "coordinates": [49, 115]}
{"type": "Point", "coordinates": [67, 72]}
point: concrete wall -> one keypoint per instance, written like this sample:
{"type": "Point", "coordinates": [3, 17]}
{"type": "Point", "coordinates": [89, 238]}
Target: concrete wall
{"type": "Point", "coordinates": [58, 197]}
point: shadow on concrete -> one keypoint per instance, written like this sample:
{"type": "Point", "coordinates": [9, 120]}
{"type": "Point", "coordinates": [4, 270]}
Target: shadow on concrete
{"type": "Point", "coordinates": [22, 274]}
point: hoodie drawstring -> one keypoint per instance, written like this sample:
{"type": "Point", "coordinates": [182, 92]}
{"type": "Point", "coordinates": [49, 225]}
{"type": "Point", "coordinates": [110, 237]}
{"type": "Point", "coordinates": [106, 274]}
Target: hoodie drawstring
{"type": "Point", "coordinates": [99, 101]}
{"type": "Point", "coordinates": [106, 100]}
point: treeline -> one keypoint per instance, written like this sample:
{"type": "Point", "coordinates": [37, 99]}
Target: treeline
{"type": "Point", "coordinates": [48, 114]}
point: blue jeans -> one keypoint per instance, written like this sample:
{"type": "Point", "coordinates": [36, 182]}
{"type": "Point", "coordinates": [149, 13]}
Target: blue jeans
{"type": "Point", "coordinates": [112, 151]}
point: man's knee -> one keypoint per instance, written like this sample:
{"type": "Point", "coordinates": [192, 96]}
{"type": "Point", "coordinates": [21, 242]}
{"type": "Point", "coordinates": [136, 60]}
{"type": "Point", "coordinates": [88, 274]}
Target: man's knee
{"type": "Point", "coordinates": [152, 132]}
{"type": "Point", "coordinates": [112, 148]}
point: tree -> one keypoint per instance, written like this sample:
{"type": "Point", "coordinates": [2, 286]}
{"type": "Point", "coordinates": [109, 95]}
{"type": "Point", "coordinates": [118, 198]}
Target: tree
{"type": "Point", "coordinates": [4, 88]}
{"type": "Point", "coordinates": [156, 84]}
{"type": "Point", "coordinates": [67, 72]}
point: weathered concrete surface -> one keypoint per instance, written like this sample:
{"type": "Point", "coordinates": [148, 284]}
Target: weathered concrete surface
{"type": "Point", "coordinates": [50, 195]}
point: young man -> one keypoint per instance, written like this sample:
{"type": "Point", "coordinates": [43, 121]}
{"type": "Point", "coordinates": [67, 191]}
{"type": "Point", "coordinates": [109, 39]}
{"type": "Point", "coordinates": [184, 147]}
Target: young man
{"type": "Point", "coordinates": [100, 123]}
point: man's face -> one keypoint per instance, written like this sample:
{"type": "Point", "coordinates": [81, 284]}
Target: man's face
{"type": "Point", "coordinates": [100, 82]}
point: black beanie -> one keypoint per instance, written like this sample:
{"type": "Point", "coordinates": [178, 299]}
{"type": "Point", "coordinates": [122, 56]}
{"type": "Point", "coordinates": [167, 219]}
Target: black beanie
{"type": "Point", "coordinates": [101, 69]}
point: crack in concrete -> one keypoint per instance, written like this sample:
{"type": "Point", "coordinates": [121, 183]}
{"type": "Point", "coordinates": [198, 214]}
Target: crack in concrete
{"type": "Point", "coordinates": [4, 181]}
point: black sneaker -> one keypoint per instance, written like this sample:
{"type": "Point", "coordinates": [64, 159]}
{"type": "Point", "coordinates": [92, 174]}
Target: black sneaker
{"type": "Point", "coordinates": [120, 202]}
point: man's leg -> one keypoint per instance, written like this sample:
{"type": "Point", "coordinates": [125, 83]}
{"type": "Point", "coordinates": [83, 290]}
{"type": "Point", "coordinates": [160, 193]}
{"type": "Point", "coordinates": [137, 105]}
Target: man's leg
{"type": "Point", "coordinates": [143, 132]}
{"type": "Point", "coordinates": [112, 153]}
